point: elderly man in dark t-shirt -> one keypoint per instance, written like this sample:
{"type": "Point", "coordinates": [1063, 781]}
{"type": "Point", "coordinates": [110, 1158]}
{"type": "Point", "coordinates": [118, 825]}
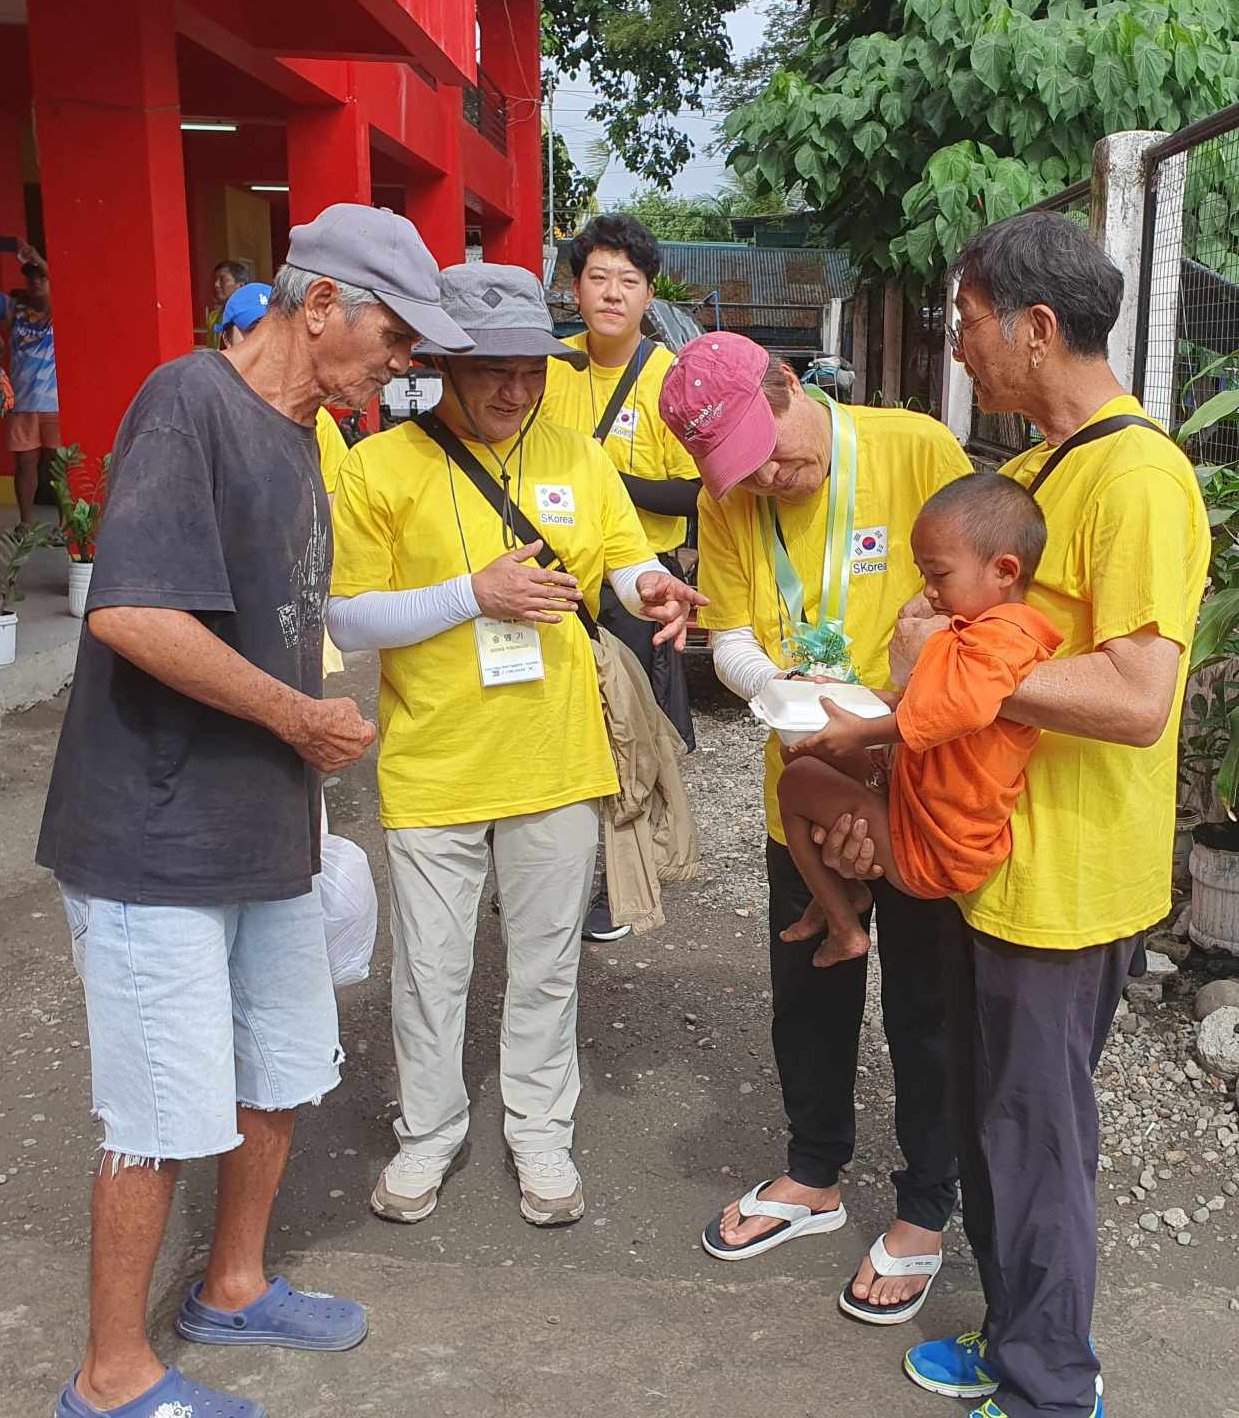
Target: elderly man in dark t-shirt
{"type": "Point", "coordinates": [197, 732]}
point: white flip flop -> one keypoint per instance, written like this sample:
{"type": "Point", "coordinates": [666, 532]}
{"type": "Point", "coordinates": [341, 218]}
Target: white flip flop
{"type": "Point", "coordinates": [889, 1266]}
{"type": "Point", "coordinates": [796, 1219]}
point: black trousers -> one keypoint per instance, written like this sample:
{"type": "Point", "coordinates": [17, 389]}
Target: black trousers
{"type": "Point", "coordinates": [816, 1032]}
{"type": "Point", "coordinates": [663, 666]}
{"type": "Point", "coordinates": [1027, 1029]}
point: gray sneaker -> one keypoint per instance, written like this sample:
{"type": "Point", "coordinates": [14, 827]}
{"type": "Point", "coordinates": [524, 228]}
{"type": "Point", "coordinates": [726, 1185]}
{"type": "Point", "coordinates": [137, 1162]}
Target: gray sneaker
{"type": "Point", "coordinates": [551, 1193]}
{"type": "Point", "coordinates": [598, 923]}
{"type": "Point", "coordinates": [408, 1188]}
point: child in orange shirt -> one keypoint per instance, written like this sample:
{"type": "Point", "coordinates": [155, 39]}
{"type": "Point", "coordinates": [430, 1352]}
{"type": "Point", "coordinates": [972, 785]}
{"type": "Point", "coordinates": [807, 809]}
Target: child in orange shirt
{"type": "Point", "coordinates": [958, 768]}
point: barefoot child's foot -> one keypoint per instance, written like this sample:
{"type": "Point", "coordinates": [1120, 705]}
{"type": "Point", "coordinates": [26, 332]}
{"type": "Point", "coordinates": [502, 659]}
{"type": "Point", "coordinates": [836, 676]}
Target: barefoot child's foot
{"type": "Point", "coordinates": [841, 945]}
{"type": "Point", "coordinates": [810, 925]}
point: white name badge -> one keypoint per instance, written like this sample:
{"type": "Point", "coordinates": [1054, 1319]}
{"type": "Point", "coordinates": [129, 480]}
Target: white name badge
{"type": "Point", "coordinates": [509, 651]}
{"type": "Point", "coordinates": [625, 425]}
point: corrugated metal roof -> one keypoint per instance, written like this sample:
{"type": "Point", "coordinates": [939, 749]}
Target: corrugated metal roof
{"type": "Point", "coordinates": [742, 274]}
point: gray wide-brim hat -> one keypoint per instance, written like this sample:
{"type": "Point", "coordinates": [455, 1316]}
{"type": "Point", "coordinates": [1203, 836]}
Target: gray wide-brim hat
{"type": "Point", "coordinates": [502, 310]}
{"type": "Point", "coordinates": [382, 252]}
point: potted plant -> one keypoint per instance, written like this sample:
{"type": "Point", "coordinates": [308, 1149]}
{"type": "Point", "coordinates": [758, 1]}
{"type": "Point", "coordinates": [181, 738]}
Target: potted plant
{"type": "Point", "coordinates": [16, 546]}
{"type": "Point", "coordinates": [1209, 754]}
{"type": "Point", "coordinates": [80, 495]}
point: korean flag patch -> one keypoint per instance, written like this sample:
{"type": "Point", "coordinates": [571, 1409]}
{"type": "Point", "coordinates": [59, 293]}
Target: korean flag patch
{"type": "Point", "coordinates": [556, 505]}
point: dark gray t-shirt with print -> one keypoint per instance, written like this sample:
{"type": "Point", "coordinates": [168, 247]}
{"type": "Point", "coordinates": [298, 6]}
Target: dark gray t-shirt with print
{"type": "Point", "coordinates": [216, 506]}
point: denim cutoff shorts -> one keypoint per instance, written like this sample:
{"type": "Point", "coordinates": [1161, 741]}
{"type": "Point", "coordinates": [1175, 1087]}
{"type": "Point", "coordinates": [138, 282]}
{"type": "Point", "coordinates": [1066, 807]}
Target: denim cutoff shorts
{"type": "Point", "coordinates": [193, 1010]}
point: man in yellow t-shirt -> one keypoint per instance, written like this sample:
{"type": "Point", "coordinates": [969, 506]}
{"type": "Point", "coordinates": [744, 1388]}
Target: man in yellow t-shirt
{"type": "Point", "coordinates": [613, 396]}
{"type": "Point", "coordinates": [1050, 938]}
{"type": "Point", "coordinates": [766, 447]}
{"type": "Point", "coordinates": [492, 735]}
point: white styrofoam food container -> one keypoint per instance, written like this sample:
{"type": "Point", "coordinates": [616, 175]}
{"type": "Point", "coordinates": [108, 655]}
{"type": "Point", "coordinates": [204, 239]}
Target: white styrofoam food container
{"type": "Point", "coordinates": [793, 709]}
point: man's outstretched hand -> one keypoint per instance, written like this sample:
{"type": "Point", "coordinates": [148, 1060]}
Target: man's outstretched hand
{"type": "Point", "coordinates": [848, 849]}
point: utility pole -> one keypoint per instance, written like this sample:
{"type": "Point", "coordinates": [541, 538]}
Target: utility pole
{"type": "Point", "coordinates": [550, 162]}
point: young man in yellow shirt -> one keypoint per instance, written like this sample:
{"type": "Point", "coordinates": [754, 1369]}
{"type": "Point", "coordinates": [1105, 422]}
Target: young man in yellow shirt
{"type": "Point", "coordinates": [613, 397]}
{"type": "Point", "coordinates": [493, 742]}
{"type": "Point", "coordinates": [1051, 937]}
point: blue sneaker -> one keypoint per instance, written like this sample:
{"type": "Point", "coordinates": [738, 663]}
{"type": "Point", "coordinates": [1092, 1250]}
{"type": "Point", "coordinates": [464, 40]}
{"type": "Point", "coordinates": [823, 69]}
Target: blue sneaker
{"type": "Point", "coordinates": [989, 1409]}
{"type": "Point", "coordinates": [954, 1368]}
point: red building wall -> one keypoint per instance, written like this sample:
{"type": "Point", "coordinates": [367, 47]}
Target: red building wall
{"type": "Point", "coordinates": [371, 96]}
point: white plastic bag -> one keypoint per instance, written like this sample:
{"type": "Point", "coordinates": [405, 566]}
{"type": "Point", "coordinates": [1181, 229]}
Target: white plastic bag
{"type": "Point", "coordinates": [350, 909]}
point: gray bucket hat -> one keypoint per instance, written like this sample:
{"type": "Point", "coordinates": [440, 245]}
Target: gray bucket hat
{"type": "Point", "coordinates": [382, 252]}
{"type": "Point", "coordinates": [502, 310]}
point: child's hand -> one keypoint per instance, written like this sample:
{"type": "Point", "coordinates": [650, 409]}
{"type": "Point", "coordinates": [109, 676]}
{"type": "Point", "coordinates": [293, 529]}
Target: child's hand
{"type": "Point", "coordinates": [844, 734]}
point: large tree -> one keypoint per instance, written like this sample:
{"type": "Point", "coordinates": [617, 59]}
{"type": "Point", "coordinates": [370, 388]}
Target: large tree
{"type": "Point", "coordinates": [679, 218]}
{"type": "Point", "coordinates": [648, 60]}
{"type": "Point", "coordinates": [908, 143]}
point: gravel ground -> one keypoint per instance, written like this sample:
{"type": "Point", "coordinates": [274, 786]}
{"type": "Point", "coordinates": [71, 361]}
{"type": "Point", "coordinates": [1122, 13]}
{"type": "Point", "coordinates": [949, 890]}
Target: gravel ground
{"type": "Point", "coordinates": [1169, 1131]}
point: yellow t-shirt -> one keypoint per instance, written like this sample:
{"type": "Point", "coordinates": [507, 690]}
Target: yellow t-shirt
{"type": "Point", "coordinates": [332, 451]}
{"type": "Point", "coordinates": [639, 443]}
{"type": "Point", "coordinates": [1128, 547]}
{"type": "Point", "coordinates": [902, 460]}
{"type": "Point", "coordinates": [452, 751]}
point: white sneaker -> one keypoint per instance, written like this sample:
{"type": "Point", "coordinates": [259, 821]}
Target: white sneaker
{"type": "Point", "coordinates": [408, 1189]}
{"type": "Point", "coordinates": [551, 1193]}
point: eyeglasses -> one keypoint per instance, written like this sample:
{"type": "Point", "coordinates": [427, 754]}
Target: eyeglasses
{"type": "Point", "coordinates": [955, 332]}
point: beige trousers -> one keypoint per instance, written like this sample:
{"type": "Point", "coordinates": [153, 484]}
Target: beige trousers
{"type": "Point", "coordinates": [544, 866]}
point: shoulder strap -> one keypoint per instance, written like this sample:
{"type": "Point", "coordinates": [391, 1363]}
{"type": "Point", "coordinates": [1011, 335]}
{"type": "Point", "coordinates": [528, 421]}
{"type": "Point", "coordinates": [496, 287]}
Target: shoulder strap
{"type": "Point", "coordinates": [621, 391]}
{"type": "Point", "coordinates": [471, 466]}
{"type": "Point", "coordinates": [1089, 434]}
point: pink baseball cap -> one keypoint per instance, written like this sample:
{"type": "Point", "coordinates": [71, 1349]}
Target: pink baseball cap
{"type": "Point", "coordinates": [713, 402]}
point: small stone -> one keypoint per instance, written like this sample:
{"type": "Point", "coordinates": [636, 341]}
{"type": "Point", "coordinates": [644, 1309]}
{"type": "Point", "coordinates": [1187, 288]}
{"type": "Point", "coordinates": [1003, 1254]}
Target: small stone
{"type": "Point", "coordinates": [1165, 1173]}
{"type": "Point", "coordinates": [1122, 1201]}
{"type": "Point", "coordinates": [1234, 1304]}
{"type": "Point", "coordinates": [746, 1088]}
{"type": "Point", "coordinates": [1147, 1180]}
{"type": "Point", "coordinates": [1230, 1188]}
{"type": "Point", "coordinates": [1175, 1219]}
{"type": "Point", "coordinates": [690, 1018]}
{"type": "Point", "coordinates": [1184, 1238]}
{"type": "Point", "coordinates": [1216, 1203]}
{"type": "Point", "coordinates": [335, 1194]}
{"type": "Point", "coordinates": [1165, 943]}
{"type": "Point", "coordinates": [1217, 1042]}
{"type": "Point", "coordinates": [1201, 1215]}
{"type": "Point", "coordinates": [1215, 995]}
{"type": "Point", "coordinates": [1161, 964]}
{"type": "Point", "coordinates": [1139, 1193]}
{"type": "Point", "coordinates": [617, 1024]}
{"type": "Point", "coordinates": [1182, 923]}
{"type": "Point", "coordinates": [1147, 991]}
{"type": "Point", "coordinates": [1150, 1221]}
{"type": "Point", "coordinates": [1193, 1070]}
{"type": "Point", "coordinates": [552, 1319]}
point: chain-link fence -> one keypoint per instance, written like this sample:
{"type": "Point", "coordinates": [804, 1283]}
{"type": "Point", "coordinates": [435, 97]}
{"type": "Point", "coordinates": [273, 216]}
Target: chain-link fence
{"type": "Point", "coordinates": [997, 437]}
{"type": "Point", "coordinates": [1187, 341]}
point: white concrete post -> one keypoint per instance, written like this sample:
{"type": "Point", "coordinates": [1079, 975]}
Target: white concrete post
{"type": "Point", "coordinates": [1165, 279]}
{"type": "Point", "coordinates": [832, 328]}
{"type": "Point", "coordinates": [1118, 224]}
{"type": "Point", "coordinates": [892, 344]}
{"type": "Point", "coordinates": [956, 386]}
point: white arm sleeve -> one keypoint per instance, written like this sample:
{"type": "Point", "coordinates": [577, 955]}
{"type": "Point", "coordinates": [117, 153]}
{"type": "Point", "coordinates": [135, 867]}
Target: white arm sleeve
{"type": "Point", "coordinates": [740, 662]}
{"type": "Point", "coordinates": [387, 620]}
{"type": "Point", "coordinates": [624, 583]}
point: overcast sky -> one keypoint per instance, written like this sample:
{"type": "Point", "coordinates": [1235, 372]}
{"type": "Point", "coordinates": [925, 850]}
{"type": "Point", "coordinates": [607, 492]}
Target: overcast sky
{"type": "Point", "coordinates": [706, 171]}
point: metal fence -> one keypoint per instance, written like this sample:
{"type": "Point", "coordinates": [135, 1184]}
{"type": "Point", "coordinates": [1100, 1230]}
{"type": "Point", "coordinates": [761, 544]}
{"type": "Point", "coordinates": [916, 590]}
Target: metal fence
{"type": "Point", "coordinates": [998, 437]}
{"type": "Point", "coordinates": [1187, 338]}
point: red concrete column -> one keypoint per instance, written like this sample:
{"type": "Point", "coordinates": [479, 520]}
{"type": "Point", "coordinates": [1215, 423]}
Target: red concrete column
{"type": "Point", "coordinates": [436, 205]}
{"type": "Point", "coordinates": [328, 158]}
{"type": "Point", "coordinates": [113, 181]}
{"type": "Point", "coordinates": [512, 59]}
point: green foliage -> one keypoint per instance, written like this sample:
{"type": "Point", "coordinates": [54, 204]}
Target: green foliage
{"type": "Point", "coordinates": [648, 59]}
{"type": "Point", "coordinates": [80, 495]}
{"type": "Point", "coordinates": [909, 142]}
{"type": "Point", "coordinates": [16, 546]}
{"type": "Point", "coordinates": [679, 218]}
{"type": "Point", "coordinates": [574, 189]}
{"type": "Point", "coordinates": [1210, 751]}
{"type": "Point", "coordinates": [668, 288]}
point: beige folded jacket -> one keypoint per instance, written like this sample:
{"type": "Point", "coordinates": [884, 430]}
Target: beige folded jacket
{"type": "Point", "coordinates": [648, 829]}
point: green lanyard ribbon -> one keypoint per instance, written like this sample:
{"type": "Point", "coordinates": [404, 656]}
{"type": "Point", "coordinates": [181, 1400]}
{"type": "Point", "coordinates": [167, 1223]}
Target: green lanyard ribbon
{"type": "Point", "coordinates": [825, 644]}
